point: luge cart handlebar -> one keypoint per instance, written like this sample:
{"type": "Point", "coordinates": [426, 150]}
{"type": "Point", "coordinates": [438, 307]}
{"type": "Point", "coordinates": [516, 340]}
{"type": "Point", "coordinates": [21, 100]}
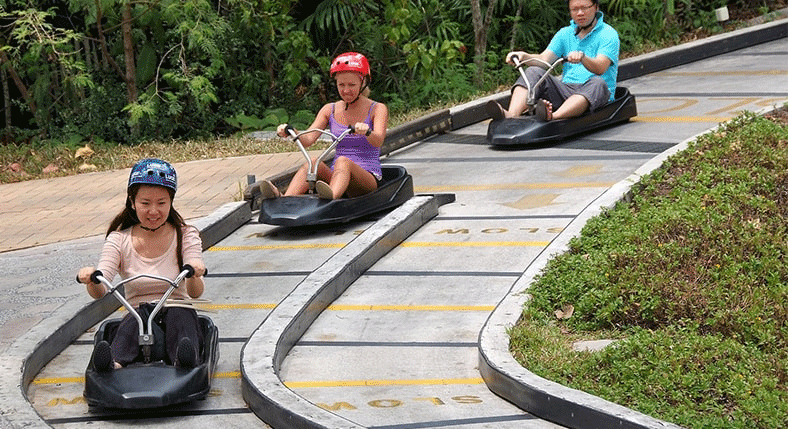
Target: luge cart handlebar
{"type": "Point", "coordinates": [311, 174]}
{"type": "Point", "coordinates": [145, 338]}
{"type": "Point", "coordinates": [531, 101]}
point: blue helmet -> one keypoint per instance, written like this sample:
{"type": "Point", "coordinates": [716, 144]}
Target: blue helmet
{"type": "Point", "coordinates": [152, 171]}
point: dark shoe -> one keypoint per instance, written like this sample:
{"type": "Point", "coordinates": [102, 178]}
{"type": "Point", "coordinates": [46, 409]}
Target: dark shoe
{"type": "Point", "coordinates": [186, 355]}
{"type": "Point", "coordinates": [495, 110]}
{"type": "Point", "coordinates": [102, 357]}
{"type": "Point", "coordinates": [541, 112]}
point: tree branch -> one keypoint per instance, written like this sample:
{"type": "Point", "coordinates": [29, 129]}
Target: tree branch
{"type": "Point", "coordinates": [6, 62]}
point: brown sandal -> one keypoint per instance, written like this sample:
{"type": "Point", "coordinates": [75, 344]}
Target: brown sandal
{"type": "Point", "coordinates": [541, 111]}
{"type": "Point", "coordinates": [268, 190]}
{"type": "Point", "coordinates": [324, 190]}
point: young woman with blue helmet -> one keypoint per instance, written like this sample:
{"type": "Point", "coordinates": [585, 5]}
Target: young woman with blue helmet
{"type": "Point", "coordinates": [150, 236]}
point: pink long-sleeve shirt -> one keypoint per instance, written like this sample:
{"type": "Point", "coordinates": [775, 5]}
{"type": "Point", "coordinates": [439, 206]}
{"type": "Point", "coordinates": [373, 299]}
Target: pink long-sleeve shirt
{"type": "Point", "coordinates": [119, 257]}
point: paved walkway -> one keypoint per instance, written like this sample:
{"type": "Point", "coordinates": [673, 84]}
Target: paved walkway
{"type": "Point", "coordinates": [37, 212]}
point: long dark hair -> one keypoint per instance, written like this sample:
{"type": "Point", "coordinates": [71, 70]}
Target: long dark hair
{"type": "Point", "coordinates": [128, 218]}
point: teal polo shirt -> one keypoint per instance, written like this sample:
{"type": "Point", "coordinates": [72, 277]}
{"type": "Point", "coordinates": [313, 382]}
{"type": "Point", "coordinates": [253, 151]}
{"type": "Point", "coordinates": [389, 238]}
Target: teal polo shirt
{"type": "Point", "coordinates": [602, 40]}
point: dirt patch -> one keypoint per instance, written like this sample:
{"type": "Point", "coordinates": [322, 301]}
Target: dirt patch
{"type": "Point", "coordinates": [779, 115]}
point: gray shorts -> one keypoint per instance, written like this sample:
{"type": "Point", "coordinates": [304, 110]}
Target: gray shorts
{"type": "Point", "coordinates": [555, 91]}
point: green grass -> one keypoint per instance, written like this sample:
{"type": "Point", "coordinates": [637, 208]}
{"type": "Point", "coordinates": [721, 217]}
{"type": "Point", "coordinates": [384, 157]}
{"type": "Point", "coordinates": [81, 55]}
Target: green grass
{"type": "Point", "coordinates": [691, 280]}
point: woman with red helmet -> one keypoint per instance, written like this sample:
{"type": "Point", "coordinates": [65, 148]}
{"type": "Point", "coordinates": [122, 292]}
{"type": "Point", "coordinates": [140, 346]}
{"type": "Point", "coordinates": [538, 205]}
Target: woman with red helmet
{"type": "Point", "coordinates": [356, 167]}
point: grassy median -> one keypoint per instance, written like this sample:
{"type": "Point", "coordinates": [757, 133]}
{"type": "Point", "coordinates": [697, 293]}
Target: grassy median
{"type": "Point", "coordinates": [691, 281]}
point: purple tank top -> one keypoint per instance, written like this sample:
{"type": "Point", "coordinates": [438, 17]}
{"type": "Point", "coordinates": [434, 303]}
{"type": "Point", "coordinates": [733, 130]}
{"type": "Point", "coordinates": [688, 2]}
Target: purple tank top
{"type": "Point", "coordinates": [356, 147]}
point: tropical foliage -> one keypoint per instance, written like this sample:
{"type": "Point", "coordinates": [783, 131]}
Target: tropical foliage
{"type": "Point", "coordinates": [125, 71]}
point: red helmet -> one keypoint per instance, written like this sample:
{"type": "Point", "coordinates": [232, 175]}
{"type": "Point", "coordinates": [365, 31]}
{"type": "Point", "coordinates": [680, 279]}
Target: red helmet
{"type": "Point", "coordinates": [350, 61]}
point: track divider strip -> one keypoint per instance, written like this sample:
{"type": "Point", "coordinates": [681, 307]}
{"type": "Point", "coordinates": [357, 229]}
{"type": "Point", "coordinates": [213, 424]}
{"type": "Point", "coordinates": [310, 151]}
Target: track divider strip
{"type": "Point", "coordinates": [264, 352]}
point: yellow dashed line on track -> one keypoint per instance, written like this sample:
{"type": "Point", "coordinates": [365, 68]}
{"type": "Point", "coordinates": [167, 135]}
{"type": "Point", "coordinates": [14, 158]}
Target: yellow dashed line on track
{"type": "Point", "coordinates": [278, 247]}
{"type": "Point", "coordinates": [408, 244]}
{"type": "Point", "coordinates": [359, 307]}
{"type": "Point", "coordinates": [65, 380]}
{"type": "Point", "coordinates": [58, 380]}
{"type": "Point", "coordinates": [509, 186]}
{"type": "Point", "coordinates": [336, 307]}
{"type": "Point", "coordinates": [236, 306]}
{"type": "Point", "coordinates": [358, 383]}
{"type": "Point", "coordinates": [714, 119]}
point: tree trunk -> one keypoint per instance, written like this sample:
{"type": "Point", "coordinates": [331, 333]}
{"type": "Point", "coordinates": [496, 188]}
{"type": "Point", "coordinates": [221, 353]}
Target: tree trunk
{"type": "Point", "coordinates": [128, 51]}
{"type": "Point", "coordinates": [6, 99]}
{"type": "Point", "coordinates": [106, 57]}
{"type": "Point", "coordinates": [88, 57]}
{"type": "Point", "coordinates": [19, 84]}
{"type": "Point", "coordinates": [481, 25]}
{"type": "Point", "coordinates": [514, 27]}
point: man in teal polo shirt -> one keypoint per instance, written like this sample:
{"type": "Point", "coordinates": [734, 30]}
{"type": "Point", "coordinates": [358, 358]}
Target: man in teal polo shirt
{"type": "Point", "coordinates": [590, 48]}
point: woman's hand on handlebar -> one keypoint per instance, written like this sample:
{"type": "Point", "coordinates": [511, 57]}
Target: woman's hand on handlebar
{"type": "Point", "coordinates": [83, 276]}
{"type": "Point", "coordinates": [199, 268]}
{"type": "Point", "coordinates": [281, 130]}
{"type": "Point", "coordinates": [95, 290]}
{"type": "Point", "coordinates": [362, 128]}
{"type": "Point", "coordinates": [195, 285]}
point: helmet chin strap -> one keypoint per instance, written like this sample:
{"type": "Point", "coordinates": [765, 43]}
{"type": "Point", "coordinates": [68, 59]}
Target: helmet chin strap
{"type": "Point", "coordinates": [366, 84]}
{"type": "Point", "coordinates": [587, 26]}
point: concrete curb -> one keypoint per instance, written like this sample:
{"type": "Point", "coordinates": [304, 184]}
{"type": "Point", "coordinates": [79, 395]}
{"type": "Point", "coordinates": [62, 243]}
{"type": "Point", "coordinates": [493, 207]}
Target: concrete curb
{"type": "Point", "coordinates": [701, 49]}
{"type": "Point", "coordinates": [544, 398]}
{"type": "Point", "coordinates": [22, 365]}
{"type": "Point", "coordinates": [222, 222]}
{"type": "Point", "coordinates": [71, 320]}
{"type": "Point", "coordinates": [266, 348]}
{"type": "Point", "coordinates": [541, 397]}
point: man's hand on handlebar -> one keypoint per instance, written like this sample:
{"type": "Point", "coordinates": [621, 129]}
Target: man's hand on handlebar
{"type": "Point", "coordinates": [575, 56]}
{"type": "Point", "coordinates": [519, 55]}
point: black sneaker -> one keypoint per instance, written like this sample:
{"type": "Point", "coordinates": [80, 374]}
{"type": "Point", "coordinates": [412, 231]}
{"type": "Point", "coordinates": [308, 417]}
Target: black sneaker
{"type": "Point", "coordinates": [495, 110]}
{"type": "Point", "coordinates": [186, 355]}
{"type": "Point", "coordinates": [102, 357]}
